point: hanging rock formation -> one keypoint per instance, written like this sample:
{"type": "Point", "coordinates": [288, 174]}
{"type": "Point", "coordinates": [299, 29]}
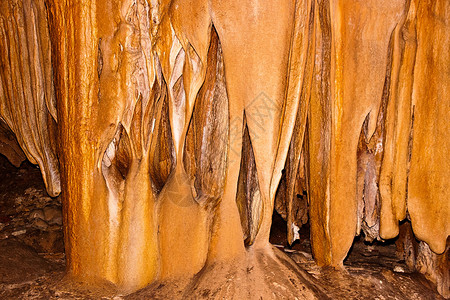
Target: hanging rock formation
{"type": "Point", "coordinates": [174, 128]}
{"type": "Point", "coordinates": [28, 104]}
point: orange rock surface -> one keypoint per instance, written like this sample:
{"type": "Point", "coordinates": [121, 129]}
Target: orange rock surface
{"type": "Point", "coordinates": [166, 126]}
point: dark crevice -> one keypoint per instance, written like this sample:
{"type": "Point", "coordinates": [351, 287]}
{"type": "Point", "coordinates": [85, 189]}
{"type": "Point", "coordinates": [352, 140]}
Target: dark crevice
{"type": "Point", "coordinates": [248, 199]}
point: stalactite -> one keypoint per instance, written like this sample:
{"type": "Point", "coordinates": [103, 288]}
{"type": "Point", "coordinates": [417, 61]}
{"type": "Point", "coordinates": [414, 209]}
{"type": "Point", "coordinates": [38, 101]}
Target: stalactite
{"type": "Point", "coordinates": [176, 127]}
{"type": "Point", "coordinates": [428, 203]}
{"type": "Point", "coordinates": [356, 55]}
{"type": "Point", "coordinates": [298, 91]}
{"type": "Point", "coordinates": [27, 97]}
{"type": "Point", "coordinates": [293, 205]}
{"type": "Point", "coordinates": [393, 177]}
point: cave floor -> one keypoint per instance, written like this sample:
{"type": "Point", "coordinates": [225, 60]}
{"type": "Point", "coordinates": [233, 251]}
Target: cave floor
{"type": "Point", "coordinates": [32, 255]}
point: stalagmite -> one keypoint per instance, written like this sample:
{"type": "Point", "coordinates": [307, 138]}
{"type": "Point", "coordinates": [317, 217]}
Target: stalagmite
{"type": "Point", "coordinates": [173, 129]}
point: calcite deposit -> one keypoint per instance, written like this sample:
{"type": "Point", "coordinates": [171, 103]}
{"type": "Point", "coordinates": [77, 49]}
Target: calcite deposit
{"type": "Point", "coordinates": [173, 129]}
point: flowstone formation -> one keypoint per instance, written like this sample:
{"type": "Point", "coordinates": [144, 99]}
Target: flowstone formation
{"type": "Point", "coordinates": [174, 128]}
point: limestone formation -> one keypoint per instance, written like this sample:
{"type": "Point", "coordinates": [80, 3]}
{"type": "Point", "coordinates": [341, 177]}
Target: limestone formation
{"type": "Point", "coordinates": [173, 129]}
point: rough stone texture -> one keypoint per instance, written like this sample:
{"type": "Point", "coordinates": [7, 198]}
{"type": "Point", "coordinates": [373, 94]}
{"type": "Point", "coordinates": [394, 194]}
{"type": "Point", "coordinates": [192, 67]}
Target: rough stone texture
{"type": "Point", "coordinates": [17, 256]}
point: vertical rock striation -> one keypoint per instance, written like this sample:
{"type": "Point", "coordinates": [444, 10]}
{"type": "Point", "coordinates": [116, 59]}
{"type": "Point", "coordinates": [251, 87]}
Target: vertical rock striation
{"type": "Point", "coordinates": [173, 128]}
{"type": "Point", "coordinates": [27, 95]}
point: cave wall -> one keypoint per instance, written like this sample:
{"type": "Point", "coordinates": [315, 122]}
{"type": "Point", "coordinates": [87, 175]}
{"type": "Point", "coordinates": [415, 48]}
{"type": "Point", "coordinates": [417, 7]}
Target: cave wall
{"type": "Point", "coordinates": [173, 128]}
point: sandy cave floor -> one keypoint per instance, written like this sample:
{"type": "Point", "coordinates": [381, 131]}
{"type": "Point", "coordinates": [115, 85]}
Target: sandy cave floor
{"type": "Point", "coordinates": [32, 261]}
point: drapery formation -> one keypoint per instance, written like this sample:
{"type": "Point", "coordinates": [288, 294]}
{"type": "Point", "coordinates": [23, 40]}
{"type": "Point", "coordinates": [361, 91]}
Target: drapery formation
{"type": "Point", "coordinates": [177, 126]}
{"type": "Point", "coordinates": [27, 103]}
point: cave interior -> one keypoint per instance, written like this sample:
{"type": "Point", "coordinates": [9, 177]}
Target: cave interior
{"type": "Point", "coordinates": [179, 149]}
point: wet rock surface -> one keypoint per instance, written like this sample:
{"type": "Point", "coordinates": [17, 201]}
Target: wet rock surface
{"type": "Point", "coordinates": [32, 262]}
